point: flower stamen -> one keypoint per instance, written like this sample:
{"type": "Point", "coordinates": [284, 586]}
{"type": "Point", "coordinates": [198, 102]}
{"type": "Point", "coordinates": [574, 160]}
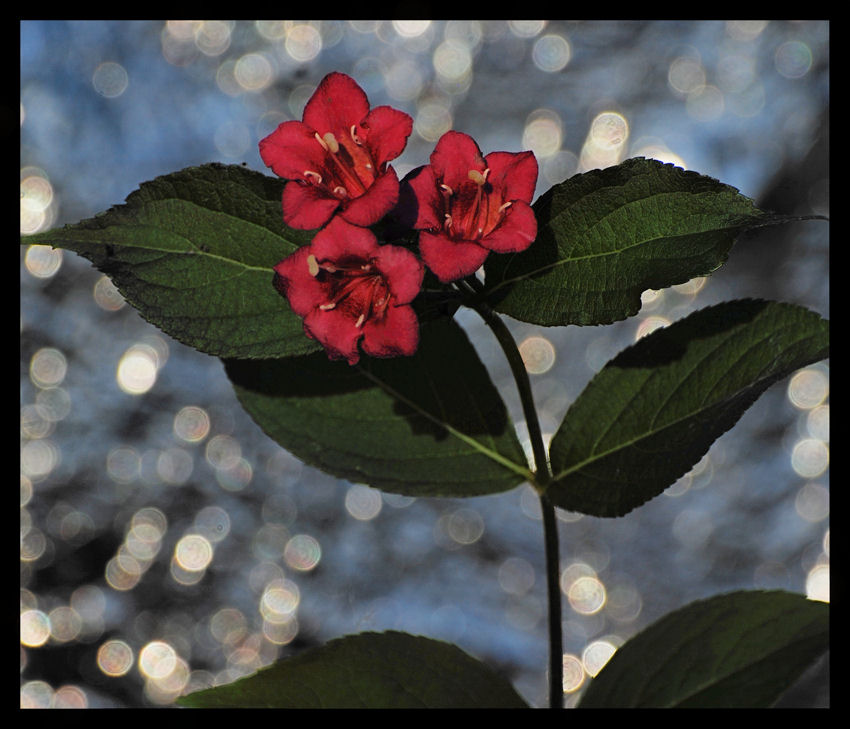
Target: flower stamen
{"type": "Point", "coordinates": [312, 265]}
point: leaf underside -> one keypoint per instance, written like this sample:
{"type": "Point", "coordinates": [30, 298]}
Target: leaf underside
{"type": "Point", "coordinates": [738, 650]}
{"type": "Point", "coordinates": [389, 670]}
{"type": "Point", "coordinates": [654, 410]}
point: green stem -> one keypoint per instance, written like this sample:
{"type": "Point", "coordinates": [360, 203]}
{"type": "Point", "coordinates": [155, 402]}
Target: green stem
{"type": "Point", "coordinates": [543, 476]}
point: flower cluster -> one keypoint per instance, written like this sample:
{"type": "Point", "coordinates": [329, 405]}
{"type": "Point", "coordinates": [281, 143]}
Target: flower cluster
{"type": "Point", "coordinates": [353, 292]}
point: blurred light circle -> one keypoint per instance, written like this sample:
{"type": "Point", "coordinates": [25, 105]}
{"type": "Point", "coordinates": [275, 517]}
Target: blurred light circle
{"type": "Point", "coordinates": [110, 79]}
{"type": "Point", "coordinates": [452, 60]}
{"type": "Point", "coordinates": [793, 59]}
{"type": "Point", "coordinates": [587, 595]}
{"type": "Point", "coordinates": [36, 695]}
{"type": "Point", "coordinates": [686, 75]}
{"type": "Point", "coordinates": [107, 296]}
{"type": "Point", "coordinates": [363, 502]}
{"type": "Point", "coordinates": [542, 133]}
{"type": "Point", "coordinates": [157, 659]}
{"type": "Point", "coordinates": [551, 52]}
{"type": "Point", "coordinates": [213, 522]}
{"type": "Point", "coordinates": [192, 424]}
{"type": "Point", "coordinates": [526, 28]}
{"type": "Point", "coordinates": [39, 458]}
{"type": "Point", "coordinates": [465, 526]}
{"type": "Point", "coordinates": [809, 457]}
{"type": "Point", "coordinates": [817, 583]}
{"type": "Point", "coordinates": [42, 261]}
{"type": "Point", "coordinates": [280, 599]}
{"type": "Point", "coordinates": [433, 119]}
{"type": "Point", "coordinates": [48, 367]}
{"type": "Point", "coordinates": [122, 464]}
{"type": "Point", "coordinates": [212, 37]}
{"type": "Point", "coordinates": [35, 628]}
{"type": "Point", "coordinates": [137, 369]}
{"type": "Point", "coordinates": [303, 42]}
{"type": "Point", "coordinates": [538, 354]}
{"type": "Point", "coordinates": [69, 697]}
{"type": "Point", "coordinates": [228, 626]}
{"type": "Point", "coordinates": [609, 130]}
{"type": "Point", "coordinates": [36, 194]}
{"type": "Point", "coordinates": [174, 466]}
{"type": "Point", "coordinates": [411, 28]}
{"type": "Point", "coordinates": [223, 451]}
{"type": "Point", "coordinates": [596, 655]}
{"type": "Point", "coordinates": [193, 552]}
{"type": "Point", "coordinates": [65, 624]}
{"type": "Point", "coordinates": [817, 422]}
{"type": "Point", "coordinates": [649, 324]}
{"type": "Point", "coordinates": [812, 502]}
{"type": "Point", "coordinates": [302, 552]}
{"type": "Point", "coordinates": [574, 674]}
{"type": "Point", "coordinates": [271, 30]}
{"type": "Point", "coordinates": [808, 388]}
{"type": "Point", "coordinates": [253, 72]}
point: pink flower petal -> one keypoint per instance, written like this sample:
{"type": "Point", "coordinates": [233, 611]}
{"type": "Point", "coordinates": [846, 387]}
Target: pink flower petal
{"type": "Point", "coordinates": [516, 231]}
{"type": "Point", "coordinates": [454, 156]}
{"type": "Point", "coordinates": [396, 335]}
{"type": "Point", "coordinates": [336, 105]}
{"type": "Point", "coordinates": [402, 270]}
{"type": "Point", "coordinates": [515, 174]}
{"type": "Point", "coordinates": [340, 240]}
{"type": "Point", "coordinates": [294, 281]}
{"type": "Point", "coordinates": [420, 204]}
{"type": "Point", "coordinates": [376, 202]}
{"type": "Point", "coordinates": [306, 206]}
{"type": "Point", "coordinates": [387, 130]}
{"type": "Point", "coordinates": [450, 260]}
{"type": "Point", "coordinates": [291, 149]}
{"type": "Point", "coordinates": [336, 332]}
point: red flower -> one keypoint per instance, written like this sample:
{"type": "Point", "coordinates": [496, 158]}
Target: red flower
{"type": "Point", "coordinates": [336, 158]}
{"type": "Point", "coordinates": [350, 290]}
{"type": "Point", "coordinates": [467, 205]}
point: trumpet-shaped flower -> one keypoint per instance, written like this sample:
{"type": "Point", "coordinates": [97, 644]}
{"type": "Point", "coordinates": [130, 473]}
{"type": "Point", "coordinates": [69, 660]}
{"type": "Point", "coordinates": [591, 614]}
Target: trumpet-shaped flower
{"type": "Point", "coordinates": [335, 159]}
{"type": "Point", "coordinates": [350, 290]}
{"type": "Point", "coordinates": [466, 205]}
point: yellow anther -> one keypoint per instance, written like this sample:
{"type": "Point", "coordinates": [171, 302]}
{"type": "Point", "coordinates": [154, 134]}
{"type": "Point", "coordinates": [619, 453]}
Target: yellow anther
{"type": "Point", "coordinates": [321, 141]}
{"type": "Point", "coordinates": [504, 207]}
{"type": "Point", "coordinates": [447, 189]}
{"type": "Point", "coordinates": [340, 191]}
{"type": "Point", "coordinates": [331, 144]}
{"type": "Point", "coordinates": [360, 320]}
{"type": "Point", "coordinates": [312, 265]}
{"type": "Point", "coordinates": [357, 140]}
{"type": "Point", "coordinates": [315, 176]}
{"type": "Point", "coordinates": [477, 177]}
{"type": "Point", "coordinates": [327, 307]}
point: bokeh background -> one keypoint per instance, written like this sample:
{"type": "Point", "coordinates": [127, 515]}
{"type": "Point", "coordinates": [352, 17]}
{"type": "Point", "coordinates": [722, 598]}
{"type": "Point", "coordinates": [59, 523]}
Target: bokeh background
{"type": "Point", "coordinates": [167, 544]}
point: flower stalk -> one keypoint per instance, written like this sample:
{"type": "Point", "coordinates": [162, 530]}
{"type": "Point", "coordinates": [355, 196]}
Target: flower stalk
{"type": "Point", "coordinates": [543, 475]}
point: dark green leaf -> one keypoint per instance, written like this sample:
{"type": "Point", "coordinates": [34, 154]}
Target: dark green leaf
{"type": "Point", "coordinates": [606, 236]}
{"type": "Point", "coordinates": [193, 251]}
{"type": "Point", "coordinates": [427, 425]}
{"type": "Point", "coordinates": [655, 409]}
{"type": "Point", "coordinates": [369, 671]}
{"type": "Point", "coordinates": [740, 650]}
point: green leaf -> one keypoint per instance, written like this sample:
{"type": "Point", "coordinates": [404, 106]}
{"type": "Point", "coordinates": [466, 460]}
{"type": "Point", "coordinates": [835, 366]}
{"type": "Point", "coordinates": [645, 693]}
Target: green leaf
{"type": "Point", "coordinates": [655, 409]}
{"type": "Point", "coordinates": [193, 251]}
{"type": "Point", "coordinates": [606, 236]}
{"type": "Point", "coordinates": [368, 671]}
{"type": "Point", "coordinates": [428, 425]}
{"type": "Point", "coordinates": [740, 650]}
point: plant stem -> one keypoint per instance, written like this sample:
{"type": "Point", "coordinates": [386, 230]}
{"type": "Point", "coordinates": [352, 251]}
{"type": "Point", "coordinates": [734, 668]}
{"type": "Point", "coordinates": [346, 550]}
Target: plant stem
{"type": "Point", "coordinates": [543, 475]}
